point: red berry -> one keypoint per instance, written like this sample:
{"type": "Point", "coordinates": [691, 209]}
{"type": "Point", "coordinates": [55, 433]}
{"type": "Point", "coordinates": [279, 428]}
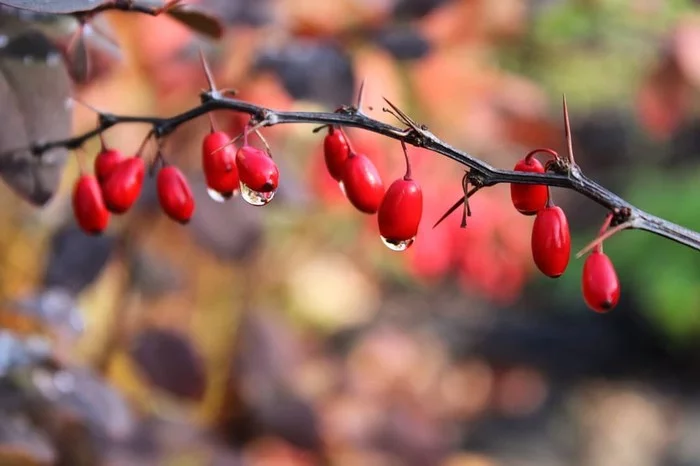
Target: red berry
{"type": "Point", "coordinates": [174, 194]}
{"type": "Point", "coordinates": [123, 187]}
{"type": "Point", "coordinates": [528, 199]}
{"type": "Point", "coordinates": [601, 287]}
{"type": "Point", "coordinates": [335, 151]}
{"type": "Point", "coordinates": [88, 205]}
{"type": "Point", "coordinates": [362, 184]}
{"type": "Point", "coordinates": [551, 241]}
{"type": "Point", "coordinates": [105, 163]}
{"type": "Point", "coordinates": [259, 175]}
{"type": "Point", "coordinates": [400, 213]}
{"type": "Point", "coordinates": [219, 167]}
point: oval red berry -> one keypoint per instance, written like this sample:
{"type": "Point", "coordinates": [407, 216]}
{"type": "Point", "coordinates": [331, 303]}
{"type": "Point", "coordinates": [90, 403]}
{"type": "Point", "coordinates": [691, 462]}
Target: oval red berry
{"type": "Point", "coordinates": [528, 199]}
{"type": "Point", "coordinates": [219, 166]}
{"type": "Point", "coordinates": [174, 194]}
{"type": "Point", "coordinates": [256, 169]}
{"type": "Point", "coordinates": [400, 213]}
{"type": "Point", "coordinates": [89, 208]}
{"type": "Point", "coordinates": [551, 241]}
{"type": "Point", "coordinates": [123, 187]}
{"type": "Point", "coordinates": [362, 183]}
{"type": "Point", "coordinates": [105, 162]}
{"type": "Point", "coordinates": [335, 152]}
{"type": "Point", "coordinates": [599, 283]}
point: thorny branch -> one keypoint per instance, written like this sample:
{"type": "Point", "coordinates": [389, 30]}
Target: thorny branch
{"type": "Point", "coordinates": [565, 174]}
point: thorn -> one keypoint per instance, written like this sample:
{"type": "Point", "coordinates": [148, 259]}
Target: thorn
{"type": "Point", "coordinates": [454, 207]}
{"type": "Point", "coordinates": [86, 105]}
{"type": "Point", "coordinates": [457, 205]}
{"type": "Point", "coordinates": [264, 141]}
{"type": "Point", "coordinates": [604, 236]}
{"type": "Point", "coordinates": [402, 117]}
{"type": "Point", "coordinates": [567, 133]}
{"type": "Point", "coordinates": [207, 71]}
{"type": "Point", "coordinates": [361, 95]}
{"type": "Point", "coordinates": [212, 124]}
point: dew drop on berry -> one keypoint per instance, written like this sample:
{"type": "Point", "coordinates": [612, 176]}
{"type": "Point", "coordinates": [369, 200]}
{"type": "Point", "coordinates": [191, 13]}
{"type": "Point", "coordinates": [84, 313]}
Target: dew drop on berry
{"type": "Point", "coordinates": [257, 198]}
{"type": "Point", "coordinates": [398, 245]}
{"type": "Point", "coordinates": [216, 195]}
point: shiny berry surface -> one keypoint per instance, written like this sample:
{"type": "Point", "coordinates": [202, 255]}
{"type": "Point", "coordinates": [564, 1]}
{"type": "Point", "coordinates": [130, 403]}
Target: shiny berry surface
{"type": "Point", "coordinates": [335, 152]}
{"type": "Point", "coordinates": [551, 241]}
{"type": "Point", "coordinates": [89, 208]}
{"type": "Point", "coordinates": [529, 198]}
{"type": "Point", "coordinates": [362, 183]}
{"type": "Point", "coordinates": [400, 211]}
{"type": "Point", "coordinates": [219, 167]}
{"type": "Point", "coordinates": [123, 187]}
{"type": "Point", "coordinates": [256, 169]}
{"type": "Point", "coordinates": [105, 162]}
{"type": "Point", "coordinates": [174, 194]}
{"type": "Point", "coordinates": [599, 283]}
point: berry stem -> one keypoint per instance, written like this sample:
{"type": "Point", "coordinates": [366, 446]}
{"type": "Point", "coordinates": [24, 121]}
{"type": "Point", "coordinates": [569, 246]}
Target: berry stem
{"type": "Point", "coordinates": [351, 149]}
{"type": "Point", "coordinates": [80, 156]}
{"type": "Point", "coordinates": [408, 174]}
{"type": "Point", "coordinates": [144, 142]}
{"type": "Point", "coordinates": [103, 144]}
{"type": "Point", "coordinates": [212, 123]}
{"type": "Point", "coordinates": [550, 202]}
{"type": "Point", "coordinates": [532, 153]}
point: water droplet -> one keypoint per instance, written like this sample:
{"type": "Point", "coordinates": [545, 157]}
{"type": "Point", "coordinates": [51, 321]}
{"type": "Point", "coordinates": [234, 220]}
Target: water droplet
{"type": "Point", "coordinates": [216, 195]}
{"type": "Point", "coordinates": [398, 245]}
{"type": "Point", "coordinates": [342, 188]}
{"type": "Point", "coordinates": [256, 197]}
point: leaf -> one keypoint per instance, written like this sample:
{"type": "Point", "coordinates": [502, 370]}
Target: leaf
{"type": "Point", "coordinates": [34, 88]}
{"type": "Point", "coordinates": [77, 57]}
{"type": "Point", "coordinates": [198, 20]}
{"type": "Point", "coordinates": [404, 43]}
{"type": "Point", "coordinates": [170, 362]}
{"type": "Point", "coordinates": [22, 444]}
{"type": "Point", "coordinates": [89, 398]}
{"type": "Point", "coordinates": [311, 70]}
{"type": "Point", "coordinates": [190, 15]}
{"type": "Point", "coordinates": [76, 260]}
{"type": "Point", "coordinates": [231, 230]}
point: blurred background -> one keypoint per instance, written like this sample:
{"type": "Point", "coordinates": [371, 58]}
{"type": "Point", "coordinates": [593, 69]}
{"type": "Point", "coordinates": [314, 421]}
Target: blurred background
{"type": "Point", "coordinates": [289, 335]}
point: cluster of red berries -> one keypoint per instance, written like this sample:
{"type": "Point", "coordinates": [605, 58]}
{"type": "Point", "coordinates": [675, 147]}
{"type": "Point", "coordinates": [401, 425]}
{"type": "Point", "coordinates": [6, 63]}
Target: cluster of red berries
{"type": "Point", "coordinates": [399, 209]}
{"type": "Point", "coordinates": [118, 180]}
{"type": "Point", "coordinates": [551, 240]}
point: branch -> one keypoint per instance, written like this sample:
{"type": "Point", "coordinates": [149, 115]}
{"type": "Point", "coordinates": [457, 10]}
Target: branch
{"type": "Point", "coordinates": [481, 174]}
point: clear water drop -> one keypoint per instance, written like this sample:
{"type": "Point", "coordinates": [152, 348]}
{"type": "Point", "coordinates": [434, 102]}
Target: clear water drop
{"type": "Point", "coordinates": [398, 245]}
{"type": "Point", "coordinates": [342, 188]}
{"type": "Point", "coordinates": [256, 197]}
{"type": "Point", "coordinates": [216, 195]}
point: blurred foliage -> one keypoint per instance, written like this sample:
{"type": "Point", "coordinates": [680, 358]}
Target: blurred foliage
{"type": "Point", "coordinates": [289, 335]}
